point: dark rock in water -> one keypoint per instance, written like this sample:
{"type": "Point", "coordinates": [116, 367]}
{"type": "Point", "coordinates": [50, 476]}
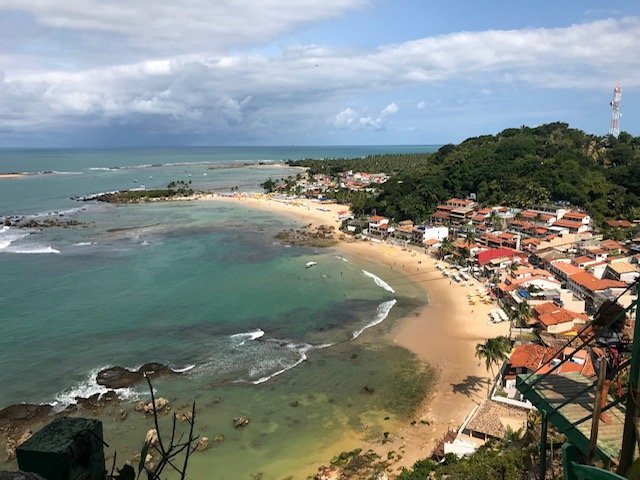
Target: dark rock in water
{"type": "Point", "coordinates": [295, 403]}
{"type": "Point", "coordinates": [120, 377]}
{"type": "Point", "coordinates": [368, 389]}
{"type": "Point", "coordinates": [240, 421]}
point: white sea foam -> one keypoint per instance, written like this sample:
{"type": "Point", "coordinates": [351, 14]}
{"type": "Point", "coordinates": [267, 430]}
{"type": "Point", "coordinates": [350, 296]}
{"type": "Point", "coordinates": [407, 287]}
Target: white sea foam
{"type": "Point", "coordinates": [9, 235]}
{"type": "Point", "coordinates": [55, 213]}
{"type": "Point", "coordinates": [382, 312]}
{"type": "Point", "coordinates": [83, 244]}
{"type": "Point", "coordinates": [185, 369]}
{"type": "Point", "coordinates": [248, 336]}
{"type": "Point", "coordinates": [87, 387]}
{"type": "Point", "coordinates": [379, 282]}
{"type": "Point", "coordinates": [33, 250]}
{"type": "Point", "coordinates": [302, 351]}
{"type": "Point", "coordinates": [104, 169]}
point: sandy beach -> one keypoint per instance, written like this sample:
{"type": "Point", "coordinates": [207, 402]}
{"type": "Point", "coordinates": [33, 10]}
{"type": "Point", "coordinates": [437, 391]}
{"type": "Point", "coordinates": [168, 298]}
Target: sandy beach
{"type": "Point", "coordinates": [444, 333]}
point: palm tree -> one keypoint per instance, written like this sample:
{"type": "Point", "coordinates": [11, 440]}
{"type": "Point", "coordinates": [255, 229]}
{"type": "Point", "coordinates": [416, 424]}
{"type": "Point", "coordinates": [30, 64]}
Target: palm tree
{"type": "Point", "coordinates": [521, 313]}
{"type": "Point", "coordinates": [471, 236]}
{"type": "Point", "coordinates": [446, 247]}
{"type": "Point", "coordinates": [493, 352]}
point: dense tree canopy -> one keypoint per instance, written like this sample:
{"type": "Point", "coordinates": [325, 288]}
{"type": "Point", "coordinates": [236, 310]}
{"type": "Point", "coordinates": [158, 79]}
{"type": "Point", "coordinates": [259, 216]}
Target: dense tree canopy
{"type": "Point", "coordinates": [522, 167]}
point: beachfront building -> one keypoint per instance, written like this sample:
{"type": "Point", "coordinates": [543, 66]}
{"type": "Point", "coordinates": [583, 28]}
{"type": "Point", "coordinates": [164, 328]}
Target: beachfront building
{"type": "Point", "coordinates": [533, 290]}
{"type": "Point", "coordinates": [378, 227]}
{"type": "Point", "coordinates": [455, 211]}
{"type": "Point", "coordinates": [423, 233]}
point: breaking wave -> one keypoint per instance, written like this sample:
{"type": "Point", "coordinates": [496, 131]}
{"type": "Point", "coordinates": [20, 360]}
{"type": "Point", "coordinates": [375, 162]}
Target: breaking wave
{"type": "Point", "coordinates": [381, 314]}
{"type": "Point", "coordinates": [379, 282]}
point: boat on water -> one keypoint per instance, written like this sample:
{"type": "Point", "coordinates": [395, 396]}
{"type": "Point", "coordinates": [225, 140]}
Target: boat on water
{"type": "Point", "coordinates": [310, 264]}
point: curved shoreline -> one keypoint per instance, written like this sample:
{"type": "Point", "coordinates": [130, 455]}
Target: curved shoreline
{"type": "Point", "coordinates": [442, 333]}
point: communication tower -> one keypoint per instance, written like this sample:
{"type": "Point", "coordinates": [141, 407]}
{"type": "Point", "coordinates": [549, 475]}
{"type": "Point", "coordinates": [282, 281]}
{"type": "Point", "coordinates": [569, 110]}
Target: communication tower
{"type": "Point", "coordinates": [615, 114]}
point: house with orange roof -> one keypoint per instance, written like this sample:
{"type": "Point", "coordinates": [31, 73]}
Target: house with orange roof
{"type": "Point", "coordinates": [532, 357]}
{"type": "Point", "coordinates": [570, 226]}
{"type": "Point", "coordinates": [619, 223]}
{"type": "Point", "coordinates": [555, 319]}
{"type": "Point", "coordinates": [584, 261]}
{"type": "Point", "coordinates": [563, 269]}
{"type": "Point", "coordinates": [378, 226]}
{"type": "Point", "coordinates": [576, 216]}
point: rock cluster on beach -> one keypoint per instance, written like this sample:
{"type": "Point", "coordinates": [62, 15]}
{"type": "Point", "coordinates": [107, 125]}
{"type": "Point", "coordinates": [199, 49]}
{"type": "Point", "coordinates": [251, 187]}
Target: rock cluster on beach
{"type": "Point", "coordinates": [321, 236]}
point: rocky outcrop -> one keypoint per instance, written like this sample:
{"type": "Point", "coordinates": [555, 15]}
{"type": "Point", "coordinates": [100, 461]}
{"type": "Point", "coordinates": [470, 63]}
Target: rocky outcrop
{"type": "Point", "coordinates": [322, 236]}
{"type": "Point", "coordinates": [25, 411]}
{"type": "Point", "coordinates": [203, 444]}
{"type": "Point", "coordinates": [241, 421]}
{"type": "Point", "coordinates": [120, 377]}
{"type": "Point", "coordinates": [47, 222]}
{"type": "Point", "coordinates": [161, 404]}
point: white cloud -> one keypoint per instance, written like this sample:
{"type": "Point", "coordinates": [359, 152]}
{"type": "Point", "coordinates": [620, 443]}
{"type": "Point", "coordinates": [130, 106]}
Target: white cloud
{"type": "Point", "coordinates": [389, 110]}
{"type": "Point", "coordinates": [244, 90]}
{"type": "Point", "coordinates": [181, 27]}
{"type": "Point", "coordinates": [350, 119]}
{"type": "Point", "coordinates": [345, 118]}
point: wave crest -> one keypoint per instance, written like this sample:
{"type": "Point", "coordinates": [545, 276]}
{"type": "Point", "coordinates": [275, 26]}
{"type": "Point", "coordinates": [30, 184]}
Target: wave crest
{"type": "Point", "coordinates": [379, 282]}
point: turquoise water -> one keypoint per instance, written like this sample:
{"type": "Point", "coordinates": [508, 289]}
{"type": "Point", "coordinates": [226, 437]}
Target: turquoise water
{"type": "Point", "coordinates": [201, 286]}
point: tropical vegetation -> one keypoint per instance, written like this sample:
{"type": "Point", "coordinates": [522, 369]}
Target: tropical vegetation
{"type": "Point", "coordinates": [549, 165]}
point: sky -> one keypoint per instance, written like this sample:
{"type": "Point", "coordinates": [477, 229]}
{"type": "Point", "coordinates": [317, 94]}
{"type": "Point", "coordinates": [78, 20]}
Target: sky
{"type": "Point", "coordinates": [109, 73]}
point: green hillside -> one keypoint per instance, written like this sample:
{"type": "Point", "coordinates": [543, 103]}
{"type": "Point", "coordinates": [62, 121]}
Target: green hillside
{"type": "Point", "coordinates": [521, 167]}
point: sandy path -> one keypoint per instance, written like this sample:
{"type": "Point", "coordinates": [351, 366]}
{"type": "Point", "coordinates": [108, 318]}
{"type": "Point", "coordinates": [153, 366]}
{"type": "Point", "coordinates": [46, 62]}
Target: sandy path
{"type": "Point", "coordinates": [444, 332]}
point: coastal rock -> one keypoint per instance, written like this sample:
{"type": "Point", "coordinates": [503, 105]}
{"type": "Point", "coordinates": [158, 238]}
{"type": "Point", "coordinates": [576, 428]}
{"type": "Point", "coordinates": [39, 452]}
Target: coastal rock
{"type": "Point", "coordinates": [203, 444]}
{"type": "Point", "coordinates": [120, 377]}
{"type": "Point", "coordinates": [219, 438]}
{"type": "Point", "coordinates": [240, 421]}
{"type": "Point", "coordinates": [12, 444]}
{"type": "Point", "coordinates": [161, 404]}
{"type": "Point", "coordinates": [151, 438]}
{"type": "Point", "coordinates": [322, 236]}
{"type": "Point", "coordinates": [184, 417]}
{"type": "Point", "coordinates": [327, 473]}
{"type": "Point", "coordinates": [24, 411]}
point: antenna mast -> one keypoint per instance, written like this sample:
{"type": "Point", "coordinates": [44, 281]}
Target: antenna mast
{"type": "Point", "coordinates": [615, 114]}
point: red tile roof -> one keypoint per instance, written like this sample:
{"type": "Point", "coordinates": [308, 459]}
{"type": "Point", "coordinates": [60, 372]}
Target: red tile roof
{"type": "Point", "coordinates": [611, 245]}
{"type": "Point", "coordinates": [581, 260]}
{"type": "Point", "coordinates": [528, 355]}
{"type": "Point", "coordinates": [574, 215]}
{"type": "Point", "coordinates": [376, 218]}
{"type": "Point", "coordinates": [591, 283]}
{"type": "Point", "coordinates": [567, 224]}
{"type": "Point", "coordinates": [488, 255]}
{"type": "Point", "coordinates": [550, 314]}
{"type": "Point", "coordinates": [619, 223]}
{"type": "Point", "coordinates": [567, 268]}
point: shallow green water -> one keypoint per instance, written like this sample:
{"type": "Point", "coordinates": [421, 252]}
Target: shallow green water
{"type": "Point", "coordinates": [203, 286]}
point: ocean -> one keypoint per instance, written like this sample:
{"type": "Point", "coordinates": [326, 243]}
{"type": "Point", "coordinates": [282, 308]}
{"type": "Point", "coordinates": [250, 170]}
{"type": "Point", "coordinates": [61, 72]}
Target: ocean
{"type": "Point", "coordinates": [205, 288]}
